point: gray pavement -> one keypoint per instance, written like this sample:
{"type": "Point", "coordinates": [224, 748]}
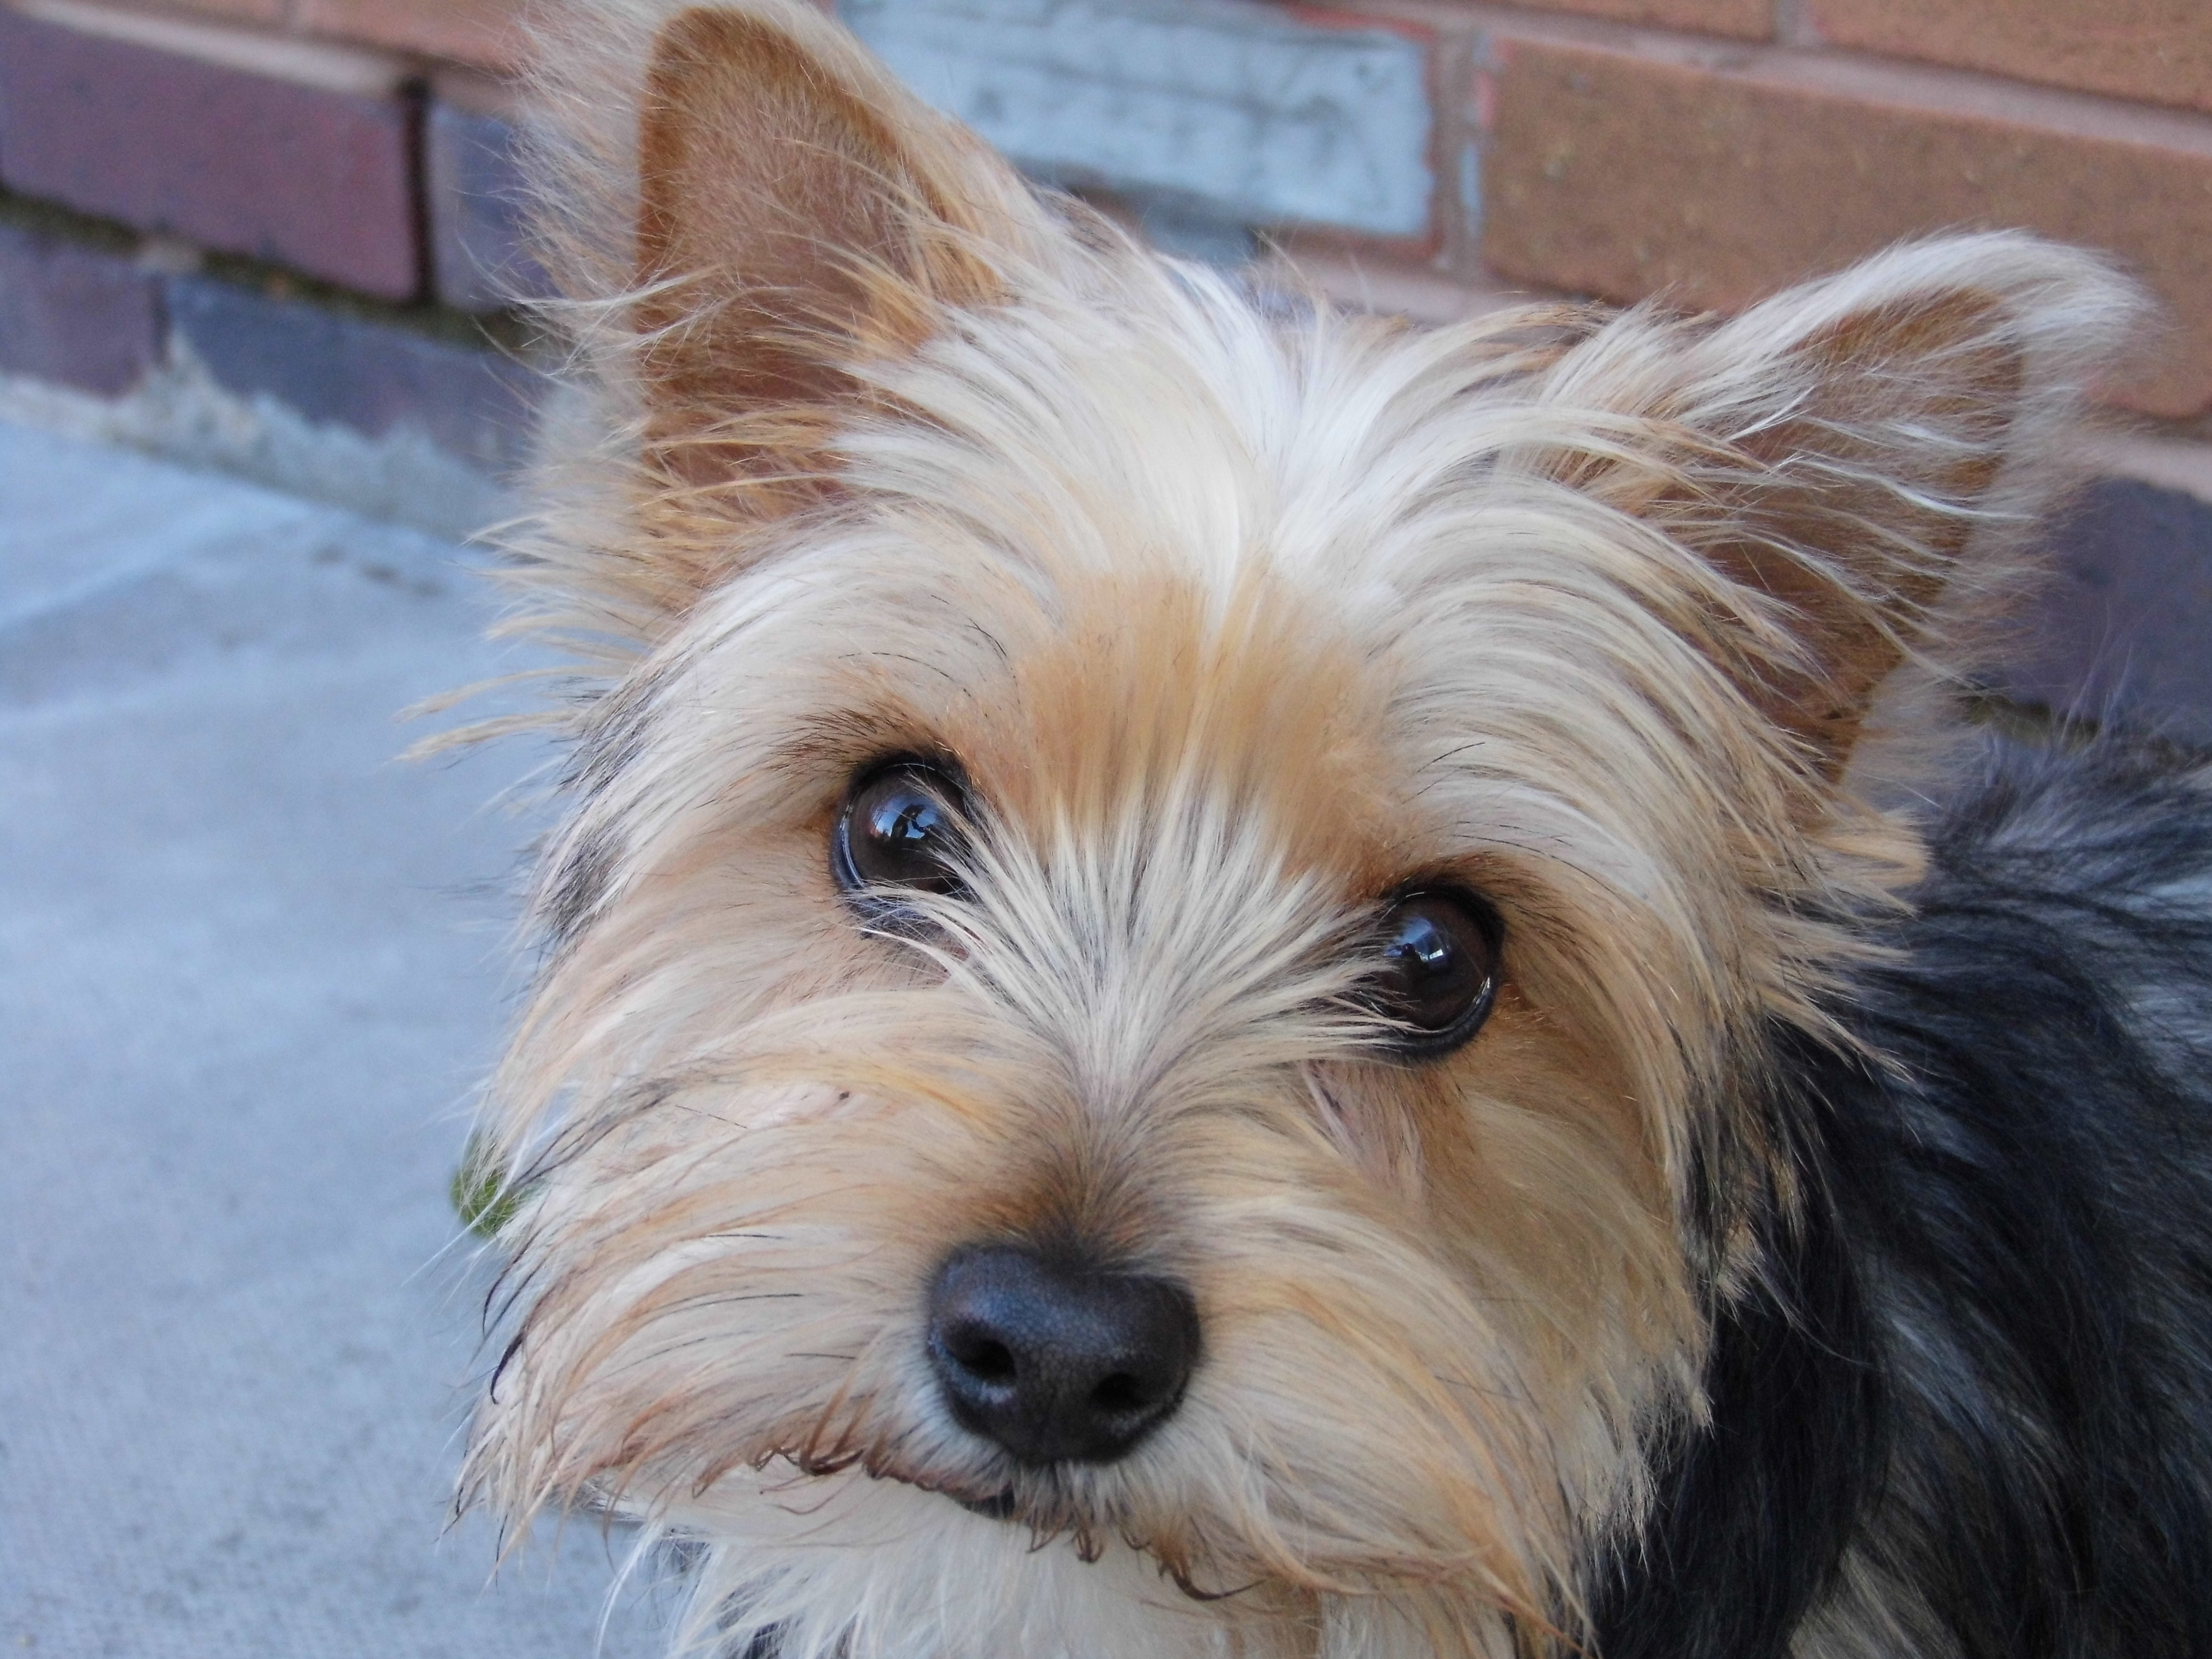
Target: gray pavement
{"type": "Point", "coordinates": [250, 969]}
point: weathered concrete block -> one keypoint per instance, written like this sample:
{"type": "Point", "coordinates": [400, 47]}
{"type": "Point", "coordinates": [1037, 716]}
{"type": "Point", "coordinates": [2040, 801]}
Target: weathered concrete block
{"type": "Point", "coordinates": [1259, 113]}
{"type": "Point", "coordinates": [2126, 629]}
{"type": "Point", "coordinates": [80, 316]}
{"type": "Point", "coordinates": [311, 176]}
{"type": "Point", "coordinates": [356, 372]}
{"type": "Point", "coordinates": [475, 188]}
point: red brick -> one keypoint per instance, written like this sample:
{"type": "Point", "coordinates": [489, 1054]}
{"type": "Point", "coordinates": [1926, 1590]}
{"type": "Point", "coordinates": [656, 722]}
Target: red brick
{"type": "Point", "coordinates": [1747, 20]}
{"type": "Point", "coordinates": [2160, 50]}
{"type": "Point", "coordinates": [231, 41]}
{"type": "Point", "coordinates": [243, 11]}
{"type": "Point", "coordinates": [304, 175]}
{"type": "Point", "coordinates": [1723, 178]}
{"type": "Point", "coordinates": [483, 32]}
{"type": "Point", "coordinates": [83, 316]}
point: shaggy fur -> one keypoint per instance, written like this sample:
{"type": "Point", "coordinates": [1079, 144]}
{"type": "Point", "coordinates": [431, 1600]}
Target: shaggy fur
{"type": "Point", "coordinates": [1808, 1255]}
{"type": "Point", "coordinates": [1970, 1405]}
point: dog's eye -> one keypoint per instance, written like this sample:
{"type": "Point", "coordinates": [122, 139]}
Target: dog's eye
{"type": "Point", "coordinates": [899, 828]}
{"type": "Point", "coordinates": [1440, 967]}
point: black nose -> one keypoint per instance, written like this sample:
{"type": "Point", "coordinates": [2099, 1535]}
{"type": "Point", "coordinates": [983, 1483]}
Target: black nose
{"type": "Point", "coordinates": [1055, 1360]}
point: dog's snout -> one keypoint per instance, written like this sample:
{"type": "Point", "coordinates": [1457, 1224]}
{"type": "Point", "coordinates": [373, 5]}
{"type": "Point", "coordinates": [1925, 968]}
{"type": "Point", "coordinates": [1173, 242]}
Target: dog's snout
{"type": "Point", "coordinates": [1056, 1360]}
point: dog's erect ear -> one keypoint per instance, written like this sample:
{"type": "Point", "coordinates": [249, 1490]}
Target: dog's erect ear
{"type": "Point", "coordinates": [1860, 457]}
{"type": "Point", "coordinates": [798, 212]}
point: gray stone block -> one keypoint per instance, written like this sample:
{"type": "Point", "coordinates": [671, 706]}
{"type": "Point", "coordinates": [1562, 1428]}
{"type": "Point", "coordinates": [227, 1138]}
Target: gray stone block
{"type": "Point", "coordinates": [356, 371]}
{"type": "Point", "coordinates": [2125, 631]}
{"type": "Point", "coordinates": [79, 315]}
{"type": "Point", "coordinates": [475, 188]}
{"type": "Point", "coordinates": [1248, 112]}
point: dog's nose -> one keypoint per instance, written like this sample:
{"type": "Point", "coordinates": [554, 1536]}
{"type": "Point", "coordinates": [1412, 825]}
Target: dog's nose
{"type": "Point", "coordinates": [1056, 1360]}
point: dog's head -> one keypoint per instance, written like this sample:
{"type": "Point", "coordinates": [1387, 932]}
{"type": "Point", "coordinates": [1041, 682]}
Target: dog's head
{"type": "Point", "coordinates": [1159, 975]}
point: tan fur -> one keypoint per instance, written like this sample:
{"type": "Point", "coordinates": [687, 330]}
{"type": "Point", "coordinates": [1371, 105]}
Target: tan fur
{"type": "Point", "coordinates": [1235, 624]}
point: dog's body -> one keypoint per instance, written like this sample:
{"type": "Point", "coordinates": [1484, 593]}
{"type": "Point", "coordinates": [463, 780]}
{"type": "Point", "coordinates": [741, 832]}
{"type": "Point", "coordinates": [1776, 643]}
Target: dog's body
{"type": "Point", "coordinates": [1978, 1378]}
{"type": "Point", "coordinates": [1230, 981]}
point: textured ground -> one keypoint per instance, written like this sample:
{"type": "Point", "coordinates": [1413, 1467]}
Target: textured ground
{"type": "Point", "coordinates": [250, 968]}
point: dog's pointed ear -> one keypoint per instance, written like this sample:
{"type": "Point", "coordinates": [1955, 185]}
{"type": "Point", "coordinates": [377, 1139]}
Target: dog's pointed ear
{"type": "Point", "coordinates": [799, 213]}
{"type": "Point", "coordinates": [1860, 459]}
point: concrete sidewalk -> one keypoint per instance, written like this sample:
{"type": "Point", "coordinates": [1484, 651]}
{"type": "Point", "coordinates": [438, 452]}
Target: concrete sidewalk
{"type": "Point", "coordinates": [250, 969]}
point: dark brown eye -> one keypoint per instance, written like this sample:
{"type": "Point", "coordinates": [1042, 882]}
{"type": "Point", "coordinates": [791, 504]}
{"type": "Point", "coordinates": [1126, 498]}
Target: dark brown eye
{"type": "Point", "coordinates": [899, 828]}
{"type": "Point", "coordinates": [1440, 967]}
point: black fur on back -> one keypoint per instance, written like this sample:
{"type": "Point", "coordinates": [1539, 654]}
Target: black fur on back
{"type": "Point", "coordinates": [1981, 1367]}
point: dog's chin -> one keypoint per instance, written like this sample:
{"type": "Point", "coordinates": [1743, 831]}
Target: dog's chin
{"type": "Point", "coordinates": [1036, 1503]}
{"type": "Point", "coordinates": [992, 1498]}
{"type": "Point", "coordinates": [1039, 1512]}
{"type": "Point", "coordinates": [1001, 1506]}
{"type": "Point", "coordinates": [898, 1566]}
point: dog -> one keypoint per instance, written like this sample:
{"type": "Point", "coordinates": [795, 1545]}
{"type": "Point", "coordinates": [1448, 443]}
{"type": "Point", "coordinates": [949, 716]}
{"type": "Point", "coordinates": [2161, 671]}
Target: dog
{"type": "Point", "coordinates": [1221, 979]}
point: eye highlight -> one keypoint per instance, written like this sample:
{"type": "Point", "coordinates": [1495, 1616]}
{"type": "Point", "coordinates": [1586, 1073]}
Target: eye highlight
{"type": "Point", "coordinates": [1438, 976]}
{"type": "Point", "coordinates": [899, 828]}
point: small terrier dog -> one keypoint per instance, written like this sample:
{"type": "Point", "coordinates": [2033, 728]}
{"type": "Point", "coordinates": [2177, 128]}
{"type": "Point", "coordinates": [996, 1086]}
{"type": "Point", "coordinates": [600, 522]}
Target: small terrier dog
{"type": "Point", "coordinates": [1227, 980]}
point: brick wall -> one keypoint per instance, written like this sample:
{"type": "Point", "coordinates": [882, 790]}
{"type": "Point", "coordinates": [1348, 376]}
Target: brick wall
{"type": "Point", "coordinates": [307, 200]}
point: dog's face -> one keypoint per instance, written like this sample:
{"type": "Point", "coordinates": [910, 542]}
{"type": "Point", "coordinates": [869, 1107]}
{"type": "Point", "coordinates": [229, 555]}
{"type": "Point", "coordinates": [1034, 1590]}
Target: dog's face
{"type": "Point", "coordinates": [1157, 981]}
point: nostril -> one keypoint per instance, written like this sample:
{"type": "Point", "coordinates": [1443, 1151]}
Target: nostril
{"type": "Point", "coordinates": [1120, 1393]}
{"type": "Point", "coordinates": [986, 1360]}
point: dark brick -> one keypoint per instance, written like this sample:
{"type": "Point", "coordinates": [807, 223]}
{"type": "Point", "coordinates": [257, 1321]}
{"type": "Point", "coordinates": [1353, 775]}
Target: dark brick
{"type": "Point", "coordinates": [306, 176]}
{"type": "Point", "coordinates": [357, 372]}
{"type": "Point", "coordinates": [81, 316]}
{"type": "Point", "coordinates": [2126, 629]}
{"type": "Point", "coordinates": [474, 183]}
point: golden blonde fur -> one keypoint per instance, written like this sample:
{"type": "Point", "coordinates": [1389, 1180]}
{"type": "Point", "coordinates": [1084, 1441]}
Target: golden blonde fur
{"type": "Point", "coordinates": [1236, 616]}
